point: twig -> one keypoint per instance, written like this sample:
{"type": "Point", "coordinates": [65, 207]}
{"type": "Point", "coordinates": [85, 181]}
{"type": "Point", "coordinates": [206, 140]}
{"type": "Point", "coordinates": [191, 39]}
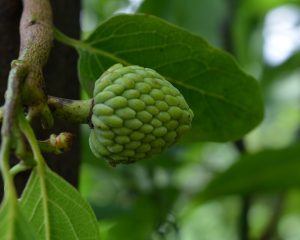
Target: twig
{"type": "Point", "coordinates": [20, 167]}
{"type": "Point", "coordinates": [271, 228]}
{"type": "Point", "coordinates": [240, 146]}
{"type": "Point", "coordinates": [244, 223]}
{"type": "Point", "coordinates": [245, 201]}
{"type": "Point", "coordinates": [15, 80]}
{"type": "Point", "coordinates": [16, 76]}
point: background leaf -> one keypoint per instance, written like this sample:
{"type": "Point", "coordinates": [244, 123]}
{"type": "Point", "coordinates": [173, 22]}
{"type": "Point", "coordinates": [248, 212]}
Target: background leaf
{"type": "Point", "coordinates": [268, 170]}
{"type": "Point", "coordinates": [249, 15]}
{"type": "Point", "coordinates": [68, 215]}
{"type": "Point", "coordinates": [142, 216]}
{"type": "Point", "coordinates": [202, 17]}
{"type": "Point", "coordinates": [281, 71]}
{"type": "Point", "coordinates": [13, 225]}
{"type": "Point", "coordinates": [226, 101]}
{"type": "Point", "coordinates": [95, 11]}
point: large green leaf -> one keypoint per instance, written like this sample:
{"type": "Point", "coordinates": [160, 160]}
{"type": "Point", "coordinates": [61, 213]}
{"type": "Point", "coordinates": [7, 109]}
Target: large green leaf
{"type": "Point", "coordinates": [227, 102]}
{"type": "Point", "coordinates": [269, 170]}
{"type": "Point", "coordinates": [13, 225]}
{"type": "Point", "coordinates": [56, 210]}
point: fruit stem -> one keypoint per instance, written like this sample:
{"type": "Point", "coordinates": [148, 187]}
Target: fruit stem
{"type": "Point", "coordinates": [75, 111]}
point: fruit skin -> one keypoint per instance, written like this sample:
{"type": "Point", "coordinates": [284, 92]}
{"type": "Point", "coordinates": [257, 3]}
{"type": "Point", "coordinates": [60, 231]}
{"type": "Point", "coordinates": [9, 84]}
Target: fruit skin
{"type": "Point", "coordinates": [136, 113]}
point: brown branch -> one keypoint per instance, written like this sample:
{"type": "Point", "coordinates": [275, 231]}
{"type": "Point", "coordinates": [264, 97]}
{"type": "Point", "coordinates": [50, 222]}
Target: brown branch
{"type": "Point", "coordinates": [26, 72]}
{"type": "Point", "coordinates": [36, 41]}
{"type": "Point", "coordinates": [16, 76]}
{"type": "Point", "coordinates": [36, 32]}
{"type": "Point", "coordinates": [34, 51]}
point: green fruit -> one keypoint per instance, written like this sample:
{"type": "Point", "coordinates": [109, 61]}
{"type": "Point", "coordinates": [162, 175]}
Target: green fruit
{"type": "Point", "coordinates": [136, 113]}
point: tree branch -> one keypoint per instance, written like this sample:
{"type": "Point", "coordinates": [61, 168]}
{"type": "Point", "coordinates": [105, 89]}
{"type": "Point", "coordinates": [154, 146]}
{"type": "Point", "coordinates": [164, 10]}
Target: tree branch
{"type": "Point", "coordinates": [15, 79]}
{"type": "Point", "coordinates": [36, 37]}
{"type": "Point", "coordinates": [16, 76]}
{"type": "Point", "coordinates": [36, 41]}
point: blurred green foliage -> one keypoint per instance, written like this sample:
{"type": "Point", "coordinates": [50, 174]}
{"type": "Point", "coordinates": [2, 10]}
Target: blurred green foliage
{"type": "Point", "coordinates": [148, 200]}
{"type": "Point", "coordinates": [94, 12]}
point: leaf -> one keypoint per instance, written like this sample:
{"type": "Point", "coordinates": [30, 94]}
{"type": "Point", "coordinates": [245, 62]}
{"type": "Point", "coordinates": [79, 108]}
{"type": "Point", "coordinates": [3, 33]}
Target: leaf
{"type": "Point", "coordinates": [269, 170]}
{"type": "Point", "coordinates": [56, 210]}
{"type": "Point", "coordinates": [227, 102]}
{"type": "Point", "coordinates": [13, 225]}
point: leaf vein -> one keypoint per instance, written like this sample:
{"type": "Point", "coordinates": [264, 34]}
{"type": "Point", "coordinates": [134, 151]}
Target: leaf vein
{"type": "Point", "coordinates": [71, 200]}
{"type": "Point", "coordinates": [66, 216]}
{"type": "Point", "coordinates": [210, 94]}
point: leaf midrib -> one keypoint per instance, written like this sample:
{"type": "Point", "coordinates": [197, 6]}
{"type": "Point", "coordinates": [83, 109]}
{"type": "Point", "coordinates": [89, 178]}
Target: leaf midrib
{"type": "Point", "coordinates": [82, 45]}
{"type": "Point", "coordinates": [42, 177]}
{"type": "Point", "coordinates": [91, 49]}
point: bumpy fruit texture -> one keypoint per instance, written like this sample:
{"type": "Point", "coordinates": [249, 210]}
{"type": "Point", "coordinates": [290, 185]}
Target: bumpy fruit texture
{"type": "Point", "coordinates": [136, 113]}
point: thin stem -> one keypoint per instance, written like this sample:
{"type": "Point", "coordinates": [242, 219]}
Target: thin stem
{"type": "Point", "coordinates": [41, 167]}
{"type": "Point", "coordinates": [244, 222]}
{"type": "Point", "coordinates": [10, 192]}
{"type": "Point", "coordinates": [29, 134]}
{"type": "Point", "coordinates": [245, 201]}
{"type": "Point", "coordinates": [1, 113]}
{"type": "Point", "coordinates": [58, 35]}
{"type": "Point", "coordinates": [271, 227]}
{"type": "Point", "coordinates": [16, 77]}
{"type": "Point", "coordinates": [20, 167]}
